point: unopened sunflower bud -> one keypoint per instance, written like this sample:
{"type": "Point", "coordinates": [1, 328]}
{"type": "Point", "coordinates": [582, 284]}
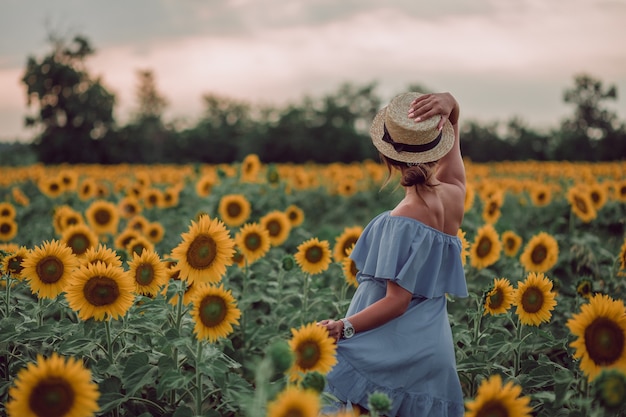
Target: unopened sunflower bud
{"type": "Point", "coordinates": [379, 402]}
{"type": "Point", "coordinates": [288, 263]}
{"type": "Point", "coordinates": [610, 390]}
{"type": "Point", "coordinates": [281, 356]}
{"type": "Point", "coordinates": [313, 380]}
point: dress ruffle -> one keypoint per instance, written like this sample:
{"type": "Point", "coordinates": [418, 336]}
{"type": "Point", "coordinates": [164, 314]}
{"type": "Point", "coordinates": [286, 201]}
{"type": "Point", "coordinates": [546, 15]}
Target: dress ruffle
{"type": "Point", "coordinates": [357, 387]}
{"type": "Point", "coordinates": [419, 258]}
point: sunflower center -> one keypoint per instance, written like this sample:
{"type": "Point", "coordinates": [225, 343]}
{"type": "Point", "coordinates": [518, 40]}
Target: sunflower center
{"type": "Point", "coordinates": [541, 197]}
{"type": "Point", "coordinates": [252, 241]}
{"type": "Point", "coordinates": [233, 209]}
{"type": "Point", "coordinates": [15, 265]}
{"type": "Point", "coordinates": [493, 409]}
{"type": "Point", "coordinates": [51, 397]}
{"type": "Point", "coordinates": [539, 254]}
{"type": "Point", "coordinates": [101, 291]}
{"type": "Point", "coordinates": [213, 310]}
{"type": "Point", "coordinates": [613, 391]}
{"type": "Point", "coordinates": [102, 217]}
{"type": "Point", "coordinates": [308, 354]}
{"type": "Point", "coordinates": [604, 340]}
{"type": "Point", "coordinates": [50, 269]}
{"type": "Point", "coordinates": [274, 228]}
{"type": "Point", "coordinates": [581, 204]}
{"type": "Point", "coordinates": [353, 268]}
{"type": "Point", "coordinates": [509, 243]}
{"type": "Point", "coordinates": [493, 208]}
{"type": "Point", "coordinates": [348, 244]}
{"type": "Point", "coordinates": [79, 243]}
{"type": "Point", "coordinates": [144, 274]}
{"type": "Point", "coordinates": [496, 298]}
{"type": "Point", "coordinates": [5, 228]}
{"type": "Point", "coordinates": [314, 254]}
{"type": "Point", "coordinates": [484, 247]}
{"type": "Point", "coordinates": [532, 300]}
{"type": "Point", "coordinates": [294, 412]}
{"type": "Point", "coordinates": [202, 252]}
{"type": "Point", "coordinates": [70, 221]}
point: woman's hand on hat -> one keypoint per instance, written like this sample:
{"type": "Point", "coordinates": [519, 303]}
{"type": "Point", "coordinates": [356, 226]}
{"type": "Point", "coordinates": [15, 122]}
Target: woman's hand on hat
{"type": "Point", "coordinates": [430, 105]}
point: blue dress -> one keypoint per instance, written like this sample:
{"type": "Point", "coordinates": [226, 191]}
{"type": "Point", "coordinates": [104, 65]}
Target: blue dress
{"type": "Point", "coordinates": [410, 358]}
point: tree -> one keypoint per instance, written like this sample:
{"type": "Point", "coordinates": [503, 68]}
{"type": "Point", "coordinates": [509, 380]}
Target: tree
{"type": "Point", "coordinates": [583, 134]}
{"type": "Point", "coordinates": [74, 110]}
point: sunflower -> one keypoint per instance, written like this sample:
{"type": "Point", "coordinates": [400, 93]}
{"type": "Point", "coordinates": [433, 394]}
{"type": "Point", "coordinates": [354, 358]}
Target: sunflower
{"type": "Point", "coordinates": [138, 223]}
{"type": "Point", "coordinates": [293, 401]}
{"type": "Point", "coordinates": [619, 193]}
{"type": "Point", "coordinates": [250, 168]}
{"type": "Point", "coordinates": [278, 225]}
{"type": "Point", "coordinates": [346, 187]}
{"type": "Point", "coordinates": [511, 243]}
{"type": "Point", "coordinates": [79, 238]}
{"type": "Point", "coordinates": [205, 252]}
{"type": "Point", "coordinates": [152, 197]}
{"type": "Point", "coordinates": [485, 250]}
{"type": "Point", "coordinates": [253, 241]}
{"type": "Point", "coordinates": [129, 206]}
{"type": "Point", "coordinates": [103, 254]}
{"type": "Point", "coordinates": [313, 256]}
{"type": "Point", "coordinates": [12, 263]}
{"type": "Point", "coordinates": [55, 387]}
{"type": "Point", "coordinates": [295, 215]}
{"type": "Point", "coordinates": [464, 246]}
{"type": "Point", "coordinates": [50, 186]}
{"type": "Point", "coordinates": [214, 312]}
{"type": "Point", "coordinates": [171, 197]}
{"type": "Point", "coordinates": [584, 288]}
{"type": "Point", "coordinates": [65, 216]}
{"type": "Point", "coordinates": [139, 244]}
{"type": "Point", "coordinates": [100, 291]}
{"type": "Point", "coordinates": [87, 189]}
{"type": "Point", "coordinates": [495, 399]}
{"type": "Point", "coordinates": [500, 297]}
{"type": "Point", "coordinates": [313, 349]}
{"type": "Point", "coordinates": [541, 253]}
{"type": "Point", "coordinates": [534, 299]}
{"type": "Point", "coordinates": [540, 194]}
{"type": "Point", "coordinates": [492, 207]}
{"type": "Point", "coordinates": [68, 179]}
{"type": "Point", "coordinates": [48, 268]}
{"type": "Point", "coordinates": [103, 217]}
{"type": "Point", "coordinates": [598, 194]}
{"type": "Point", "coordinates": [600, 329]}
{"type": "Point", "coordinates": [345, 241]}
{"type": "Point", "coordinates": [610, 390]}
{"type": "Point", "coordinates": [148, 273]}
{"type": "Point", "coordinates": [7, 211]}
{"type": "Point", "coordinates": [191, 289]}
{"type": "Point", "coordinates": [581, 204]}
{"type": "Point", "coordinates": [154, 232]}
{"type": "Point", "coordinates": [234, 209]}
{"type": "Point", "coordinates": [125, 237]}
{"type": "Point", "coordinates": [349, 269]}
{"type": "Point", "coordinates": [205, 184]}
{"type": "Point", "coordinates": [8, 228]}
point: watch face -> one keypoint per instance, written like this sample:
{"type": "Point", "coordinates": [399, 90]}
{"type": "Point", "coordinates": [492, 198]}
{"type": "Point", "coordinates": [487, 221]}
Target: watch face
{"type": "Point", "coordinates": [348, 332]}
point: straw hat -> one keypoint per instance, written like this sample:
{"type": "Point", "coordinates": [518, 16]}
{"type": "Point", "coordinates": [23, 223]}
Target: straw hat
{"type": "Point", "coordinates": [400, 138]}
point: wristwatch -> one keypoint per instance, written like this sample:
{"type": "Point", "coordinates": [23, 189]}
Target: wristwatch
{"type": "Point", "coordinates": [348, 330]}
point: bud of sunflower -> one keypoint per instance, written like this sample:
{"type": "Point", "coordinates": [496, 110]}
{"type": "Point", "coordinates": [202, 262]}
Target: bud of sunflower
{"type": "Point", "coordinates": [379, 403]}
{"type": "Point", "coordinates": [288, 263]}
{"type": "Point", "coordinates": [273, 177]}
{"type": "Point", "coordinates": [314, 381]}
{"type": "Point", "coordinates": [280, 355]}
{"type": "Point", "coordinates": [610, 390]}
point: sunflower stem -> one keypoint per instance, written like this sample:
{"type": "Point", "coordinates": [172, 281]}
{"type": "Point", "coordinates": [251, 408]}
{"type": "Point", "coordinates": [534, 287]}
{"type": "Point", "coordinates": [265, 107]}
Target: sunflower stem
{"type": "Point", "coordinates": [198, 378]}
{"type": "Point", "coordinates": [109, 347]}
{"type": "Point", "coordinates": [8, 295]}
{"type": "Point", "coordinates": [40, 311]}
{"type": "Point", "coordinates": [518, 349]}
{"type": "Point", "coordinates": [305, 298]}
{"type": "Point", "coordinates": [244, 285]}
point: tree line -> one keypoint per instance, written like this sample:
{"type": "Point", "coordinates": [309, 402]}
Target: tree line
{"type": "Point", "coordinates": [72, 115]}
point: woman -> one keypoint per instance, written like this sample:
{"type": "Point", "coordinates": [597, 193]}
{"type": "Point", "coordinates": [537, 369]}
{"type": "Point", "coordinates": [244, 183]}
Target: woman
{"type": "Point", "coordinates": [396, 337]}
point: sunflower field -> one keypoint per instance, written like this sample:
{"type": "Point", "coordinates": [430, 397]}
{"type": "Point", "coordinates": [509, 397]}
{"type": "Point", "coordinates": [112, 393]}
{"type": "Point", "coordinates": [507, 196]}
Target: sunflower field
{"type": "Point", "coordinates": [193, 290]}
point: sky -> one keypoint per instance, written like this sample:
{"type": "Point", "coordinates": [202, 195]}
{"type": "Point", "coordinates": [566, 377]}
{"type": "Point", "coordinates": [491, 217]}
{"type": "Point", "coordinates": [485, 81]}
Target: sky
{"type": "Point", "coordinates": [500, 58]}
